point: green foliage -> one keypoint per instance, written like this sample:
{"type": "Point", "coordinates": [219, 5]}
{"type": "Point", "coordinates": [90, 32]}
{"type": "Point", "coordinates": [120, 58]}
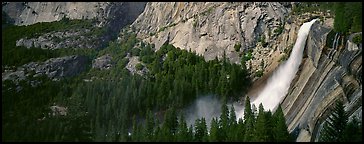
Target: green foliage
{"type": "Point", "coordinates": [261, 132]}
{"type": "Point", "coordinates": [182, 131]}
{"type": "Point", "coordinates": [139, 66]}
{"type": "Point", "coordinates": [165, 27]}
{"type": "Point", "coordinates": [13, 55]}
{"type": "Point", "coordinates": [266, 128]}
{"type": "Point", "coordinates": [237, 47]}
{"type": "Point", "coordinates": [249, 121]}
{"type": "Point", "coordinates": [25, 113]}
{"type": "Point", "coordinates": [348, 17]}
{"type": "Point", "coordinates": [335, 124]}
{"type": "Point", "coordinates": [195, 22]}
{"type": "Point", "coordinates": [301, 8]}
{"type": "Point", "coordinates": [248, 55]}
{"type": "Point", "coordinates": [341, 23]}
{"type": "Point", "coordinates": [279, 130]}
{"type": "Point", "coordinates": [162, 29]}
{"type": "Point", "coordinates": [224, 122]}
{"type": "Point", "coordinates": [150, 124]}
{"type": "Point", "coordinates": [210, 10]}
{"type": "Point", "coordinates": [114, 96]}
{"type": "Point", "coordinates": [259, 73]}
{"type": "Point", "coordinates": [279, 30]}
{"type": "Point", "coordinates": [231, 132]}
{"type": "Point", "coordinates": [357, 39]}
{"type": "Point", "coordinates": [262, 40]}
{"type": "Point", "coordinates": [337, 128]}
{"type": "Point", "coordinates": [215, 131]}
{"type": "Point", "coordinates": [201, 130]}
{"type": "Point", "coordinates": [284, 57]}
{"type": "Point", "coordinates": [353, 131]}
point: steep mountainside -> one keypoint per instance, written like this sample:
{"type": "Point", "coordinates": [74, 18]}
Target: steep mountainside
{"type": "Point", "coordinates": [27, 13]}
{"type": "Point", "coordinates": [210, 29]}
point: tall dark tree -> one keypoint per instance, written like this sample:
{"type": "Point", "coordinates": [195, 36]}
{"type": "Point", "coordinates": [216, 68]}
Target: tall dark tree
{"type": "Point", "coordinates": [149, 128]}
{"type": "Point", "coordinates": [182, 131]}
{"type": "Point", "coordinates": [232, 131]}
{"type": "Point", "coordinates": [261, 133]}
{"type": "Point", "coordinates": [269, 125]}
{"type": "Point", "coordinates": [249, 121]}
{"type": "Point", "coordinates": [335, 124]}
{"type": "Point", "coordinates": [341, 21]}
{"type": "Point", "coordinates": [224, 121]}
{"type": "Point", "coordinates": [190, 134]}
{"type": "Point", "coordinates": [214, 131]}
{"type": "Point", "coordinates": [135, 132]}
{"type": "Point", "coordinates": [240, 133]}
{"type": "Point", "coordinates": [280, 132]}
{"type": "Point", "coordinates": [201, 130]}
{"type": "Point", "coordinates": [353, 131]}
{"type": "Point", "coordinates": [247, 111]}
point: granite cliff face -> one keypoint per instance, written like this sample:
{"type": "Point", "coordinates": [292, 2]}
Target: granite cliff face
{"type": "Point", "coordinates": [210, 29]}
{"type": "Point", "coordinates": [106, 13]}
{"type": "Point", "coordinates": [54, 68]}
{"type": "Point", "coordinates": [325, 75]}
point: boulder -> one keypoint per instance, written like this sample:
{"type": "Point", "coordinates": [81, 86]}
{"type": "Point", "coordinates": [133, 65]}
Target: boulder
{"type": "Point", "coordinates": [103, 62]}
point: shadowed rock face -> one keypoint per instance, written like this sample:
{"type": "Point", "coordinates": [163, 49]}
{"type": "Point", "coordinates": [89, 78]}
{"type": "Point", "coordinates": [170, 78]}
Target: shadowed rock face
{"type": "Point", "coordinates": [54, 68]}
{"type": "Point", "coordinates": [103, 62]}
{"type": "Point", "coordinates": [63, 39]}
{"type": "Point", "coordinates": [320, 81]}
{"type": "Point", "coordinates": [27, 13]}
{"type": "Point", "coordinates": [113, 15]}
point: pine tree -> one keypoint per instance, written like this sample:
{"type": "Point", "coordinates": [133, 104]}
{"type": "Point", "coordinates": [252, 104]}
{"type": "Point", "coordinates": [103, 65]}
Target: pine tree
{"type": "Point", "coordinates": [249, 121]}
{"type": "Point", "coordinates": [232, 132]}
{"type": "Point", "coordinates": [190, 134]}
{"type": "Point", "coordinates": [149, 128]}
{"type": "Point", "coordinates": [342, 21]}
{"type": "Point", "coordinates": [240, 130]}
{"type": "Point", "coordinates": [247, 111]}
{"type": "Point", "coordinates": [157, 133]}
{"type": "Point", "coordinates": [261, 133]}
{"type": "Point", "coordinates": [134, 133]}
{"type": "Point", "coordinates": [280, 132]}
{"type": "Point", "coordinates": [170, 124]}
{"type": "Point", "coordinates": [353, 131]}
{"type": "Point", "coordinates": [182, 131]}
{"type": "Point", "coordinates": [224, 121]}
{"type": "Point", "coordinates": [335, 124]}
{"type": "Point", "coordinates": [200, 130]}
{"type": "Point", "coordinates": [269, 125]}
{"type": "Point", "coordinates": [214, 131]}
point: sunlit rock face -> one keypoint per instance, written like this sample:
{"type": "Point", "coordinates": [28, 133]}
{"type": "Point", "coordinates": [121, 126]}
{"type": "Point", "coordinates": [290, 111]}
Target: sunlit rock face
{"type": "Point", "coordinates": [210, 29]}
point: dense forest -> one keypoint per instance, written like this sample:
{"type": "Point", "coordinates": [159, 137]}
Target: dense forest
{"type": "Point", "coordinates": [105, 106]}
{"type": "Point", "coordinates": [261, 126]}
{"type": "Point", "coordinates": [347, 15]}
{"type": "Point", "coordinates": [13, 55]}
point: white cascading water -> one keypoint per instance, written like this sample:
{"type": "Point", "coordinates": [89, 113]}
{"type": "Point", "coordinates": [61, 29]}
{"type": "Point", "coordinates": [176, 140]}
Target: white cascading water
{"type": "Point", "coordinates": [278, 84]}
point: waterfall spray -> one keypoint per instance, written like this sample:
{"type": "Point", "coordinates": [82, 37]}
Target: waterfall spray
{"type": "Point", "coordinates": [278, 84]}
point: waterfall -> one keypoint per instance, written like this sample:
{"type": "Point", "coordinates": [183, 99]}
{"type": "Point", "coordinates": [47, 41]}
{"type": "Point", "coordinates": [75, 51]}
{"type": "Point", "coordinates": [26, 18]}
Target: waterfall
{"type": "Point", "coordinates": [278, 84]}
{"type": "Point", "coordinates": [333, 44]}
